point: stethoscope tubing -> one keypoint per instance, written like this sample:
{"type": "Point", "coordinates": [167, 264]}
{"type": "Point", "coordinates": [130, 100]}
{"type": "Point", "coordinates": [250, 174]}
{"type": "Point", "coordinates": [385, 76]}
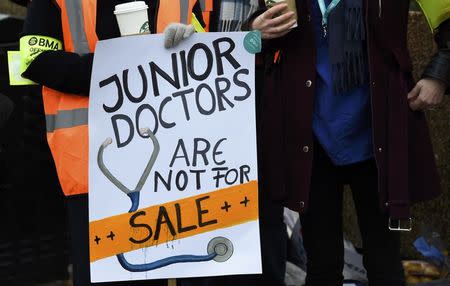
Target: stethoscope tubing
{"type": "Point", "coordinates": [163, 262]}
{"type": "Point", "coordinates": [135, 197]}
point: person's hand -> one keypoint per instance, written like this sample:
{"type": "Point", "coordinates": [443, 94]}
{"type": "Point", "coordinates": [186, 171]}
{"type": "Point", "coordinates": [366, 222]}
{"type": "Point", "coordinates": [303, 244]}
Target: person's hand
{"type": "Point", "coordinates": [275, 22]}
{"type": "Point", "coordinates": [174, 33]}
{"type": "Point", "coordinates": [427, 93]}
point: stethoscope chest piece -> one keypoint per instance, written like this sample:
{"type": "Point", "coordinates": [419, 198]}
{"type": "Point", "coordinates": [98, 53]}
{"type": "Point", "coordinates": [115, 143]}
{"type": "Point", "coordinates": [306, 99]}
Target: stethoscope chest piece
{"type": "Point", "coordinates": [222, 247]}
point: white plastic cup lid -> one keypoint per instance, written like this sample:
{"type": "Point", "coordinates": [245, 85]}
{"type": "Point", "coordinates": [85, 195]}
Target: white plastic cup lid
{"type": "Point", "coordinates": [130, 7]}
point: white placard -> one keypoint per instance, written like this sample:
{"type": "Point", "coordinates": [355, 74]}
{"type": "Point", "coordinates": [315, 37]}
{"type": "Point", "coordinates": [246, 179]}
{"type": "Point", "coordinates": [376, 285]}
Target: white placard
{"type": "Point", "coordinates": [195, 209]}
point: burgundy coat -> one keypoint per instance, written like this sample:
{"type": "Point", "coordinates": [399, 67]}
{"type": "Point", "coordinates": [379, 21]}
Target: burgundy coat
{"type": "Point", "coordinates": [406, 166]}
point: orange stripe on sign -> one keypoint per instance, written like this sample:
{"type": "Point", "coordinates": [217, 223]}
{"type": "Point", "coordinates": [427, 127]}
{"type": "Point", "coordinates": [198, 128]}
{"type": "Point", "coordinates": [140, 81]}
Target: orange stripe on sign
{"type": "Point", "coordinates": [174, 220]}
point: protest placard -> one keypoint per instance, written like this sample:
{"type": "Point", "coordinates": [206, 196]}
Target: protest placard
{"type": "Point", "coordinates": [172, 158]}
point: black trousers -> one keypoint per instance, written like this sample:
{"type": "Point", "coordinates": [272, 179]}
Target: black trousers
{"type": "Point", "coordinates": [322, 225]}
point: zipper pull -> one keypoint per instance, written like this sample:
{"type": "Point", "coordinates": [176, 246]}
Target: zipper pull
{"type": "Point", "coordinates": [380, 8]}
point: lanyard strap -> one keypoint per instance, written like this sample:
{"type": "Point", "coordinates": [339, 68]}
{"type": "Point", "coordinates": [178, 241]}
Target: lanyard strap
{"type": "Point", "coordinates": [327, 10]}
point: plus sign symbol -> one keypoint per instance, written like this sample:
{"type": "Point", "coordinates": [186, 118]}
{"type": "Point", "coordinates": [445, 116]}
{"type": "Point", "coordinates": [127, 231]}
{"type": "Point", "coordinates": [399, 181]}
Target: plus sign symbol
{"type": "Point", "coordinates": [111, 235]}
{"type": "Point", "coordinates": [245, 201]}
{"type": "Point", "coordinates": [226, 206]}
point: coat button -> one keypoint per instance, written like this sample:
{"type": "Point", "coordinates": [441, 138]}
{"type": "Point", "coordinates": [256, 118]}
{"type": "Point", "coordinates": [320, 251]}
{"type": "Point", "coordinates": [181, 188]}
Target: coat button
{"type": "Point", "coordinates": [308, 18]}
{"type": "Point", "coordinates": [302, 204]}
{"type": "Point", "coordinates": [308, 83]}
{"type": "Point", "coordinates": [380, 149]}
{"type": "Point", "coordinates": [305, 149]}
{"type": "Point", "coordinates": [386, 204]}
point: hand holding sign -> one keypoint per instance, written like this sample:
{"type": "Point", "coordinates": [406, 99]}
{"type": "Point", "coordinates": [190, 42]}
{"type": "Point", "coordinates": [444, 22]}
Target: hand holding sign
{"type": "Point", "coordinates": [174, 33]}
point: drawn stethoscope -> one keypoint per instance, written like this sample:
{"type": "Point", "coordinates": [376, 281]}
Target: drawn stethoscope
{"type": "Point", "coordinates": [219, 249]}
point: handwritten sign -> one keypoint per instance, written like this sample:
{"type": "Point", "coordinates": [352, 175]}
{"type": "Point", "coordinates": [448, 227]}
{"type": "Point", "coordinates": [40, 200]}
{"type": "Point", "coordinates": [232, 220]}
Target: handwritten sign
{"type": "Point", "coordinates": [172, 159]}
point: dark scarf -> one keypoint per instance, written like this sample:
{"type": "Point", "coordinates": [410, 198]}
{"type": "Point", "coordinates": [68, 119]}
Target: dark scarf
{"type": "Point", "coordinates": [346, 39]}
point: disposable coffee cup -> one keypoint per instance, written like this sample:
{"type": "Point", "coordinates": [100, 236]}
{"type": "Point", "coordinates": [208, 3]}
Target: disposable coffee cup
{"type": "Point", "coordinates": [291, 7]}
{"type": "Point", "coordinates": [132, 18]}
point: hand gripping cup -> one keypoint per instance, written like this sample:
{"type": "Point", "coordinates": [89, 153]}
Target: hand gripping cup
{"type": "Point", "coordinates": [132, 18]}
{"type": "Point", "coordinates": [290, 3]}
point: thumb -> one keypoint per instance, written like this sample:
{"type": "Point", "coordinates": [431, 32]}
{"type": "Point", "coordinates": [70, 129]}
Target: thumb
{"type": "Point", "coordinates": [169, 35]}
{"type": "Point", "coordinates": [414, 104]}
{"type": "Point", "coordinates": [189, 31]}
{"type": "Point", "coordinates": [179, 34]}
{"type": "Point", "coordinates": [414, 92]}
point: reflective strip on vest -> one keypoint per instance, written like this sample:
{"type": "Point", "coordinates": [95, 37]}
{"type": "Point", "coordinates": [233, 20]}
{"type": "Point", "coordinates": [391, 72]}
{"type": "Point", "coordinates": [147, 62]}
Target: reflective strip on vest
{"type": "Point", "coordinates": [174, 11]}
{"type": "Point", "coordinates": [203, 4]}
{"type": "Point", "coordinates": [74, 10]}
{"type": "Point", "coordinates": [66, 119]}
{"type": "Point", "coordinates": [184, 11]}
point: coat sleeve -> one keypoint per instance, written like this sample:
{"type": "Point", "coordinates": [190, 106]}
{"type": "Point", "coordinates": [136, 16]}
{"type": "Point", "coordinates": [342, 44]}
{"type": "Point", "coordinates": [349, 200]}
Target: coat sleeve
{"type": "Point", "coordinates": [59, 70]}
{"type": "Point", "coordinates": [439, 66]}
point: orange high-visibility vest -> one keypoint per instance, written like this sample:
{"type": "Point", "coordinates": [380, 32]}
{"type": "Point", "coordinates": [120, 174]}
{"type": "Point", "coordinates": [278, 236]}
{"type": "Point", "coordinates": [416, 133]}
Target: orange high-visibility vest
{"type": "Point", "coordinates": [67, 114]}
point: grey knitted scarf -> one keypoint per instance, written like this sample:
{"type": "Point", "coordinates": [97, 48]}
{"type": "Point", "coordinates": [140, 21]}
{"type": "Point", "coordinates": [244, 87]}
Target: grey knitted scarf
{"type": "Point", "coordinates": [348, 55]}
{"type": "Point", "coordinates": [234, 12]}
